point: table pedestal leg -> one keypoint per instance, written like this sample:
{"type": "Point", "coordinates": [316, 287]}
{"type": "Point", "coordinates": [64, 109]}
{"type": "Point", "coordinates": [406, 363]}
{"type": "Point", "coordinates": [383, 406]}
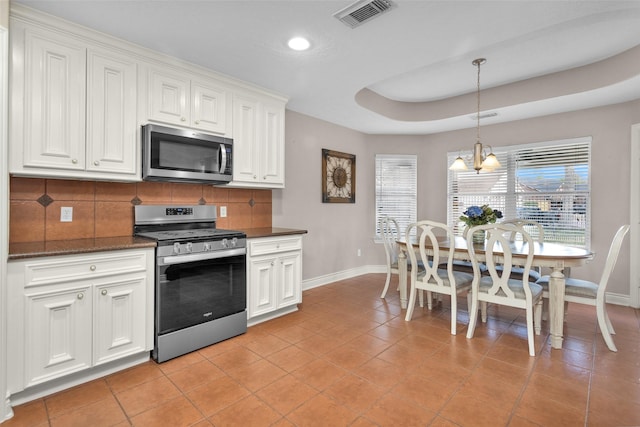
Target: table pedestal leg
{"type": "Point", "coordinates": [402, 278]}
{"type": "Point", "coordinates": [556, 306]}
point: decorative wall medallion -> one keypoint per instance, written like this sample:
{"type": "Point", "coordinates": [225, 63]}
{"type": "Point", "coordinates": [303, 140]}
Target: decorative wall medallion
{"type": "Point", "coordinates": [338, 177]}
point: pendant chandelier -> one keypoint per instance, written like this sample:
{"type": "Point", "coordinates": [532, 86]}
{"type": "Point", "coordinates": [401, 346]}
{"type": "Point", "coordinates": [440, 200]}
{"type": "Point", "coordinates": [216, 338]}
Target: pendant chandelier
{"type": "Point", "coordinates": [480, 160]}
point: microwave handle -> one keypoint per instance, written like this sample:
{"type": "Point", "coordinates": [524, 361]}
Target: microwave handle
{"type": "Point", "coordinates": [223, 158]}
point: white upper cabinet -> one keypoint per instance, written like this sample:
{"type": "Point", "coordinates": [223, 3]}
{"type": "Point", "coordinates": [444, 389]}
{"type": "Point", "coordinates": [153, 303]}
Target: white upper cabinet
{"type": "Point", "coordinates": [47, 100]}
{"type": "Point", "coordinates": [111, 114]}
{"type": "Point", "coordinates": [176, 98]}
{"type": "Point", "coordinates": [73, 107]}
{"type": "Point", "coordinates": [79, 98]}
{"type": "Point", "coordinates": [258, 141]}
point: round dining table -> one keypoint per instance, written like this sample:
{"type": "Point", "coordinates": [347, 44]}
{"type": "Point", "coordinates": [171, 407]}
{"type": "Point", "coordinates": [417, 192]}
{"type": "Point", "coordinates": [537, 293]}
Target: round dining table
{"type": "Point", "coordinates": [555, 256]}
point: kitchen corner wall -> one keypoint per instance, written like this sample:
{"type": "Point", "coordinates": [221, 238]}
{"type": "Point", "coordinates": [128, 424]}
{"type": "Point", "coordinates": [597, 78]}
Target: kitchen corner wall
{"type": "Point", "coordinates": [105, 209]}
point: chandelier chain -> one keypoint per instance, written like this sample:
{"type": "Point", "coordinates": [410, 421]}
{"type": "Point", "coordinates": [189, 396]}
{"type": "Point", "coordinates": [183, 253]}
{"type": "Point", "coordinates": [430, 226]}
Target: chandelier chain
{"type": "Point", "coordinates": [478, 62]}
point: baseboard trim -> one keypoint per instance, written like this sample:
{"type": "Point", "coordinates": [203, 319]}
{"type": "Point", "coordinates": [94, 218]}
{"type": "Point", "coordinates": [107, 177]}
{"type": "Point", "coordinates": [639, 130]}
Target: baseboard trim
{"type": "Point", "coordinates": [611, 298]}
{"type": "Point", "coordinates": [618, 299]}
{"type": "Point", "coordinates": [341, 275]}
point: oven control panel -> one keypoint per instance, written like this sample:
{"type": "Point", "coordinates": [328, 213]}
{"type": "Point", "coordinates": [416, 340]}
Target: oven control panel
{"type": "Point", "coordinates": [178, 211]}
{"type": "Point", "coordinates": [185, 248]}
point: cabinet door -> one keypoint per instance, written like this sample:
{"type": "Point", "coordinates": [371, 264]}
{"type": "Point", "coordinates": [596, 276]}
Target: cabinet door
{"type": "Point", "coordinates": [209, 108]}
{"type": "Point", "coordinates": [272, 157]}
{"type": "Point", "coordinates": [289, 279]}
{"type": "Point", "coordinates": [169, 98]}
{"type": "Point", "coordinates": [119, 318]}
{"type": "Point", "coordinates": [262, 291]}
{"type": "Point", "coordinates": [52, 87]}
{"type": "Point", "coordinates": [245, 140]}
{"type": "Point", "coordinates": [57, 334]}
{"type": "Point", "coordinates": [111, 114]}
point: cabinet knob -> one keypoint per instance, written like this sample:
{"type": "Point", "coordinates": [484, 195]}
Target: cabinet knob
{"type": "Point", "coordinates": [96, 163]}
{"type": "Point", "coordinates": [197, 122]}
{"type": "Point", "coordinates": [254, 177]}
{"type": "Point", "coordinates": [272, 263]}
{"type": "Point", "coordinates": [183, 119]}
{"type": "Point", "coordinates": [80, 295]}
{"type": "Point", "coordinates": [74, 161]}
{"type": "Point", "coordinates": [264, 177]}
{"type": "Point", "coordinates": [92, 268]}
{"type": "Point", "coordinates": [104, 292]}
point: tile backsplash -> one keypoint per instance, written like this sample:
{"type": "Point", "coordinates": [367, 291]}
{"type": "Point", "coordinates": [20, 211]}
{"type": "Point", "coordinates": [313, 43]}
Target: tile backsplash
{"type": "Point", "coordinates": [105, 209]}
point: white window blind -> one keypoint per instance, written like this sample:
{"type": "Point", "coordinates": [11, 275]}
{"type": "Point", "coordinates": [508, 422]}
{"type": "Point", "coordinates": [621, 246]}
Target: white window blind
{"type": "Point", "coordinates": [545, 182]}
{"type": "Point", "coordinates": [396, 189]}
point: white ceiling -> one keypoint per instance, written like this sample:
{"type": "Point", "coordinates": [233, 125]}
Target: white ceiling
{"type": "Point", "coordinates": [419, 51]}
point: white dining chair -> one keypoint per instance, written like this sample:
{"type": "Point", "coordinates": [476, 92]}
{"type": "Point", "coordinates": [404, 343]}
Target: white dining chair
{"type": "Point", "coordinates": [390, 232]}
{"type": "Point", "coordinates": [432, 278]}
{"type": "Point", "coordinates": [536, 231]}
{"type": "Point", "coordinates": [498, 287]}
{"type": "Point", "coordinates": [591, 293]}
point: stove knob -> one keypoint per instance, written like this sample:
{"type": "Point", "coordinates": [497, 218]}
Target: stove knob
{"type": "Point", "coordinates": [176, 248]}
{"type": "Point", "coordinates": [225, 243]}
{"type": "Point", "coordinates": [189, 247]}
{"type": "Point", "coordinates": [234, 242]}
{"type": "Point", "coordinates": [207, 247]}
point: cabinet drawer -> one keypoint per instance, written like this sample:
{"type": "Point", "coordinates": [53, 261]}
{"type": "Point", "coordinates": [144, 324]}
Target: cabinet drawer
{"type": "Point", "coordinates": [270, 246]}
{"type": "Point", "coordinates": [68, 268]}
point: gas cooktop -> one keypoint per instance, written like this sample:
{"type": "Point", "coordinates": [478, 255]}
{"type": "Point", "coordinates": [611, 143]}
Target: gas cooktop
{"type": "Point", "coordinates": [196, 234]}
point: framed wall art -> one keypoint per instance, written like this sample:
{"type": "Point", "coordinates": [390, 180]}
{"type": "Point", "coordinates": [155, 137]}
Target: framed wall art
{"type": "Point", "coordinates": [338, 177]}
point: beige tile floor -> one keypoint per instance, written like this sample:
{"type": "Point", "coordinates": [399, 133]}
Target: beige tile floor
{"type": "Point", "coordinates": [348, 358]}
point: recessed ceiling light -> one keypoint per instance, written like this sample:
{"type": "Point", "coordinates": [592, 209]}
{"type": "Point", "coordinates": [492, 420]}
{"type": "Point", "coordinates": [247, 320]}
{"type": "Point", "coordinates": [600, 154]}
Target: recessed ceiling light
{"type": "Point", "coordinates": [299, 43]}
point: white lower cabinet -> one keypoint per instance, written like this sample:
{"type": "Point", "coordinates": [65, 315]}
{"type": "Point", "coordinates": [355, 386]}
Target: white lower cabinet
{"type": "Point", "coordinates": [274, 270]}
{"type": "Point", "coordinates": [76, 312]}
{"type": "Point", "coordinates": [57, 330]}
{"type": "Point", "coordinates": [119, 322]}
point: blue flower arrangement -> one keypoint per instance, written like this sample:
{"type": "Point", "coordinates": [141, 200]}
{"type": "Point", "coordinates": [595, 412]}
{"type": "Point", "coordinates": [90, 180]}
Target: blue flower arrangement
{"type": "Point", "coordinates": [480, 215]}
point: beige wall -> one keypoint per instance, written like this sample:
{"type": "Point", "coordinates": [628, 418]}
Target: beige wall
{"type": "Point", "coordinates": [4, 13]}
{"type": "Point", "coordinates": [337, 231]}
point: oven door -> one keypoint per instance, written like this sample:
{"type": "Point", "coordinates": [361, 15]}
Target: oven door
{"type": "Point", "coordinates": [194, 289]}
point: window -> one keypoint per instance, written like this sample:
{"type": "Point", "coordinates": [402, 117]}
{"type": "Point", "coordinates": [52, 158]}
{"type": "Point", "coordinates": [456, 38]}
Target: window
{"type": "Point", "coordinates": [396, 189]}
{"type": "Point", "coordinates": [546, 182]}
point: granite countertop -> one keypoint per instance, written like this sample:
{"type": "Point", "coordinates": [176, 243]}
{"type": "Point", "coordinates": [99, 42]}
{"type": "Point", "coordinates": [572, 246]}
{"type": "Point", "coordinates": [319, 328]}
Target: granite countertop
{"type": "Point", "coordinates": [253, 233]}
{"type": "Point", "coordinates": [76, 246]}
{"type": "Point", "coordinates": [81, 246]}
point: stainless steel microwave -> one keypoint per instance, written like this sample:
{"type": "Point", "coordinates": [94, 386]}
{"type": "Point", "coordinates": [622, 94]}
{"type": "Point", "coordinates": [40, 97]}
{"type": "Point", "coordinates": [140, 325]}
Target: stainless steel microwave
{"type": "Point", "coordinates": [181, 155]}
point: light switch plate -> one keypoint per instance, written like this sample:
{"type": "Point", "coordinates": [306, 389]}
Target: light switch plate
{"type": "Point", "coordinates": [223, 211]}
{"type": "Point", "coordinates": [66, 214]}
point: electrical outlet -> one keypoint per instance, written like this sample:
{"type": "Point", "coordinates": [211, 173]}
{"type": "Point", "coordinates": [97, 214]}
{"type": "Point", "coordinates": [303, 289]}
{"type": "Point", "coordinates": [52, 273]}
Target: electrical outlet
{"type": "Point", "coordinates": [359, 252]}
{"type": "Point", "coordinates": [223, 211]}
{"type": "Point", "coordinates": [66, 214]}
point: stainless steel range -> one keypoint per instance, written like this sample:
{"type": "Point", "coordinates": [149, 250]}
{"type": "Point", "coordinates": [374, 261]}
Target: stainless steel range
{"type": "Point", "coordinates": [201, 290]}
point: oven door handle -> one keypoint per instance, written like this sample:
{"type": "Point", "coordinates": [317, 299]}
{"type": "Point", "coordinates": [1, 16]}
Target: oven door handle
{"type": "Point", "coordinates": [182, 259]}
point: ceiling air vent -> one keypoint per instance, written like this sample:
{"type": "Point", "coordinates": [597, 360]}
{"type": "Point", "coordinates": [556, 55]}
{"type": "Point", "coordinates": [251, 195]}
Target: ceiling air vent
{"type": "Point", "coordinates": [362, 11]}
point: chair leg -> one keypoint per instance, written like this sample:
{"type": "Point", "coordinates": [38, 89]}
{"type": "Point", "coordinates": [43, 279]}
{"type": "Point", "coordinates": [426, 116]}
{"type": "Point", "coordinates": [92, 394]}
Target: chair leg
{"type": "Point", "coordinates": [545, 309]}
{"type": "Point", "coordinates": [530, 339]}
{"type": "Point", "coordinates": [537, 319]}
{"type": "Point", "coordinates": [411, 303]}
{"type": "Point", "coordinates": [473, 317]}
{"type": "Point", "coordinates": [386, 285]}
{"type": "Point", "coordinates": [609, 325]}
{"type": "Point", "coordinates": [602, 324]}
{"type": "Point", "coordinates": [429, 300]}
{"type": "Point", "coordinates": [454, 312]}
{"type": "Point", "coordinates": [421, 298]}
{"type": "Point", "coordinates": [483, 311]}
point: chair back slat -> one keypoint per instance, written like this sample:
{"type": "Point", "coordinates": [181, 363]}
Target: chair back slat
{"type": "Point", "coordinates": [534, 228]}
{"type": "Point", "coordinates": [499, 259]}
{"type": "Point", "coordinates": [612, 258]}
{"type": "Point", "coordinates": [428, 233]}
{"type": "Point", "coordinates": [390, 232]}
